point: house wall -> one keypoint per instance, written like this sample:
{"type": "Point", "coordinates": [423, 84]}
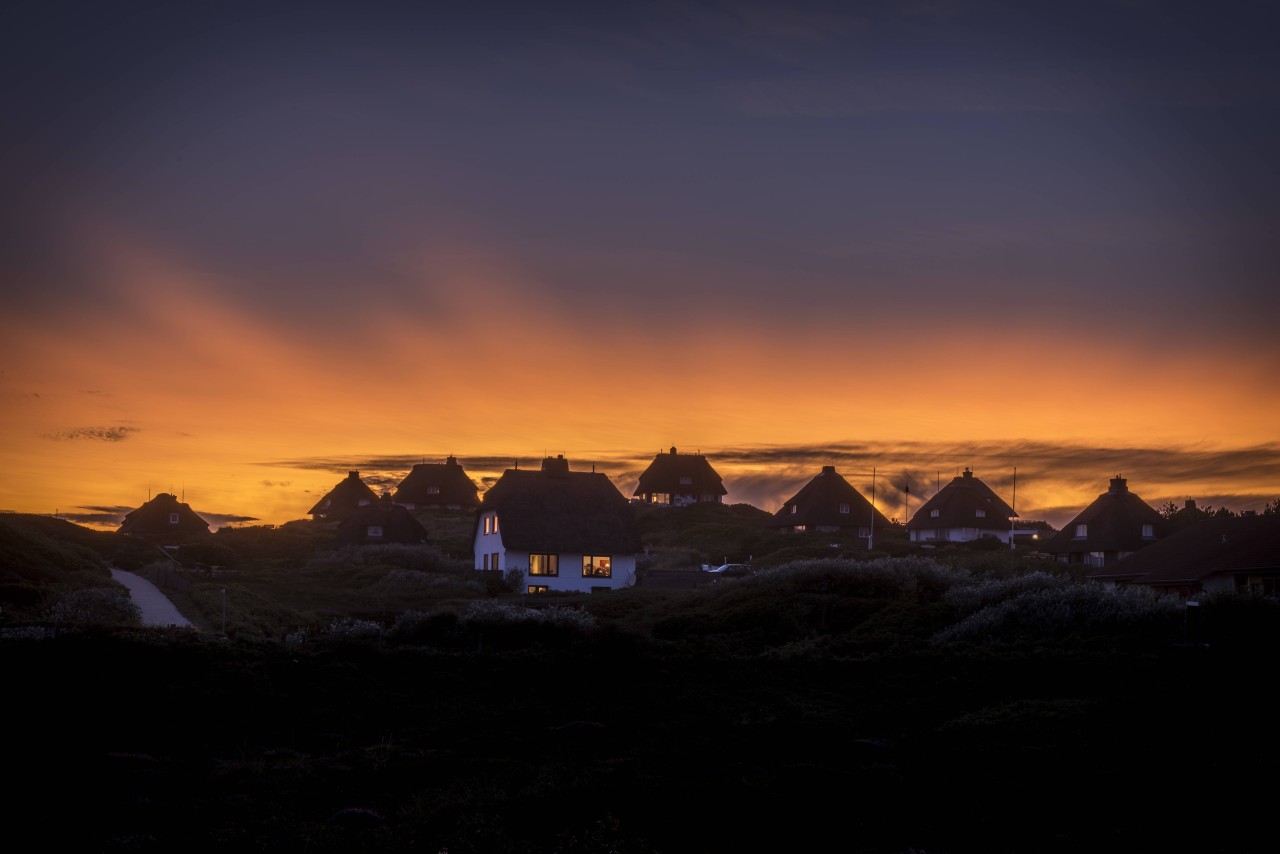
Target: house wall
{"type": "Point", "coordinates": [570, 578]}
{"type": "Point", "coordinates": [958, 535]}
{"type": "Point", "coordinates": [491, 543]}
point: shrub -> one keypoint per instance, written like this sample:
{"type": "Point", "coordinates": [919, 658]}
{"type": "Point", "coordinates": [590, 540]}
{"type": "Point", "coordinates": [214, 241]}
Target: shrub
{"type": "Point", "coordinates": [97, 606]}
{"type": "Point", "coordinates": [349, 629]}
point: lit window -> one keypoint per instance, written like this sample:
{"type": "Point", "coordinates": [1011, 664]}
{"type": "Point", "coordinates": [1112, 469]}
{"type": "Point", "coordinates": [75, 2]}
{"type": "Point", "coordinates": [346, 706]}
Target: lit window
{"type": "Point", "coordinates": [490, 524]}
{"type": "Point", "coordinates": [844, 508]}
{"type": "Point", "coordinates": [544, 564]}
{"type": "Point", "coordinates": [660, 498]}
{"type": "Point", "coordinates": [799, 529]}
{"type": "Point", "coordinates": [935, 513]}
{"type": "Point", "coordinates": [795, 509]}
{"type": "Point", "coordinates": [173, 518]}
{"type": "Point", "coordinates": [539, 588]}
{"type": "Point", "coordinates": [597, 566]}
{"type": "Point", "coordinates": [495, 524]}
{"type": "Point", "coordinates": [433, 490]}
{"type": "Point", "coordinates": [1148, 531]}
{"type": "Point", "coordinates": [375, 530]}
{"type": "Point", "coordinates": [1082, 531]}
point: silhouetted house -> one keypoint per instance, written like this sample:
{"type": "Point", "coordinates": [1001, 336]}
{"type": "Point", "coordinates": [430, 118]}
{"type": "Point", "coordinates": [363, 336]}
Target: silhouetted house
{"type": "Point", "coordinates": [344, 499]}
{"type": "Point", "coordinates": [829, 503]}
{"type": "Point", "coordinates": [163, 515]}
{"type": "Point", "coordinates": [1239, 553]}
{"type": "Point", "coordinates": [1114, 526]}
{"type": "Point", "coordinates": [432, 485]}
{"type": "Point", "coordinates": [566, 530]}
{"type": "Point", "coordinates": [965, 509]}
{"type": "Point", "coordinates": [380, 522]}
{"type": "Point", "coordinates": [677, 480]}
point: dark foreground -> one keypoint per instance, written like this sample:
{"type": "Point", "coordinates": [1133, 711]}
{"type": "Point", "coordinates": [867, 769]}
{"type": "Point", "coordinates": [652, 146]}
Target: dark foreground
{"type": "Point", "coordinates": [144, 743]}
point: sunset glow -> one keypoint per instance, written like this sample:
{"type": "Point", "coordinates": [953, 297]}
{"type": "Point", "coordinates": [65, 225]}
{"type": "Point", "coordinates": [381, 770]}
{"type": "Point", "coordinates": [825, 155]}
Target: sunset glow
{"type": "Point", "coordinates": [586, 235]}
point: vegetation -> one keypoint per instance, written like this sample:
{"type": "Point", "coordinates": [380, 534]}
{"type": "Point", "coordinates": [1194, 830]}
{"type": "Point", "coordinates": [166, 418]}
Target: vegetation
{"type": "Point", "coordinates": [379, 699]}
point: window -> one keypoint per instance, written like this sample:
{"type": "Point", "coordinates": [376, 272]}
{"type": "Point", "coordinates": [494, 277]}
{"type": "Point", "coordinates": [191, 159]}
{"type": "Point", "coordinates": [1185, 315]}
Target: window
{"type": "Point", "coordinates": [364, 502]}
{"type": "Point", "coordinates": [486, 561]}
{"type": "Point", "coordinates": [544, 564]}
{"type": "Point", "coordinates": [493, 562]}
{"type": "Point", "coordinates": [1082, 531]}
{"type": "Point", "coordinates": [795, 508]}
{"type": "Point", "coordinates": [660, 498]}
{"type": "Point", "coordinates": [491, 524]}
{"type": "Point", "coordinates": [375, 531]}
{"type": "Point", "coordinates": [1148, 531]}
{"type": "Point", "coordinates": [981, 514]}
{"type": "Point", "coordinates": [935, 513]}
{"type": "Point", "coordinates": [844, 508]}
{"type": "Point", "coordinates": [433, 490]}
{"type": "Point", "coordinates": [1096, 559]}
{"type": "Point", "coordinates": [686, 481]}
{"type": "Point", "coordinates": [597, 566]}
{"type": "Point", "coordinates": [538, 588]}
{"type": "Point", "coordinates": [799, 529]}
{"type": "Point", "coordinates": [173, 518]}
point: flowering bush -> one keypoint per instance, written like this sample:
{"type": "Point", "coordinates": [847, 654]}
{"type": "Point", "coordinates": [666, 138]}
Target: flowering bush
{"type": "Point", "coordinates": [97, 606]}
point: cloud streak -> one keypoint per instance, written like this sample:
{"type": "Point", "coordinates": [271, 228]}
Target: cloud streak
{"type": "Point", "coordinates": [99, 434]}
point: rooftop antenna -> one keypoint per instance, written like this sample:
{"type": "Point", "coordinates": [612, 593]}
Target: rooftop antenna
{"type": "Point", "coordinates": [906, 496]}
{"type": "Point", "coordinates": [1012, 518]}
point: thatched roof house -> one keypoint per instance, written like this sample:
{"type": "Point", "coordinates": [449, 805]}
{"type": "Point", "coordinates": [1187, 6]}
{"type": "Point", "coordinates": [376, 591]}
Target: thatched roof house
{"type": "Point", "coordinates": [345, 498]}
{"type": "Point", "coordinates": [678, 480]}
{"type": "Point", "coordinates": [377, 523]}
{"type": "Point", "coordinates": [566, 530]}
{"type": "Point", "coordinates": [439, 486]}
{"type": "Point", "coordinates": [1217, 553]}
{"type": "Point", "coordinates": [829, 503]}
{"type": "Point", "coordinates": [963, 510]}
{"type": "Point", "coordinates": [163, 515]}
{"type": "Point", "coordinates": [1114, 526]}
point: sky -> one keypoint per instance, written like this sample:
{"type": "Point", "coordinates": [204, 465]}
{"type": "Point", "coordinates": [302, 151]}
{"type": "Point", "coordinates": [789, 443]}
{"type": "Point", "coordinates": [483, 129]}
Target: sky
{"type": "Point", "coordinates": [247, 247]}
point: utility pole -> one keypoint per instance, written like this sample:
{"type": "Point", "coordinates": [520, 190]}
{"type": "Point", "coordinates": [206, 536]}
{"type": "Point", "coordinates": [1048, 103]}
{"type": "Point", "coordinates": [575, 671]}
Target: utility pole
{"type": "Point", "coordinates": [871, 531]}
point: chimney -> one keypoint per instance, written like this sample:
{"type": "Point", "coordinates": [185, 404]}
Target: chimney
{"type": "Point", "coordinates": [451, 460]}
{"type": "Point", "coordinates": [353, 475]}
{"type": "Point", "coordinates": [1191, 504]}
{"type": "Point", "coordinates": [1118, 485]}
{"type": "Point", "coordinates": [556, 466]}
{"type": "Point", "coordinates": [673, 450]}
{"type": "Point", "coordinates": [968, 472]}
{"type": "Point", "coordinates": [828, 469]}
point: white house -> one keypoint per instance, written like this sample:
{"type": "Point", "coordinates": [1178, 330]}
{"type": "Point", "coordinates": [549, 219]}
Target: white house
{"type": "Point", "coordinates": [565, 530]}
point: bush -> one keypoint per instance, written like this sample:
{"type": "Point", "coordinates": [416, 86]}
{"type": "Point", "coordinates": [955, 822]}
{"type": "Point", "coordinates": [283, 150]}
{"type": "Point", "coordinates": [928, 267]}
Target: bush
{"type": "Point", "coordinates": [97, 606]}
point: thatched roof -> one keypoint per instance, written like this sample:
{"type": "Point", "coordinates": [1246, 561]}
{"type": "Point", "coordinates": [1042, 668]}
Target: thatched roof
{"type": "Point", "coordinates": [818, 504]}
{"type": "Point", "coordinates": [1113, 523]}
{"type": "Point", "coordinates": [667, 471]}
{"type": "Point", "coordinates": [1213, 546]}
{"type": "Point", "coordinates": [437, 485]}
{"type": "Point", "coordinates": [344, 499]}
{"type": "Point", "coordinates": [164, 514]}
{"type": "Point", "coordinates": [394, 524]}
{"type": "Point", "coordinates": [958, 504]}
{"type": "Point", "coordinates": [560, 511]}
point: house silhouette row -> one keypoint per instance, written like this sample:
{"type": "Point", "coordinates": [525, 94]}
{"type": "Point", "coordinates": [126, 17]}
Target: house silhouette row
{"type": "Point", "coordinates": [572, 530]}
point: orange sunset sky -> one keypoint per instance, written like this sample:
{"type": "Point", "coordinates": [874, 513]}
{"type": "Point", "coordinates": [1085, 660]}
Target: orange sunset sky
{"type": "Point", "coordinates": [244, 256]}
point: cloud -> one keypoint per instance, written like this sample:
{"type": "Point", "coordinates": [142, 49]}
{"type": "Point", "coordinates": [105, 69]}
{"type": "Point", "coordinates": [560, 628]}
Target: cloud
{"type": "Point", "coordinates": [271, 483]}
{"type": "Point", "coordinates": [97, 515]}
{"type": "Point", "coordinates": [222, 520]}
{"type": "Point", "coordinates": [102, 434]}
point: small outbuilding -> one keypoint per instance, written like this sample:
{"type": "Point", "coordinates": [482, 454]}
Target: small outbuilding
{"type": "Point", "coordinates": [377, 523]}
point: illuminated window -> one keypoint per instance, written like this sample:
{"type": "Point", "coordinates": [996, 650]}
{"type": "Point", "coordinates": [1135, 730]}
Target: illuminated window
{"type": "Point", "coordinates": [795, 508]}
{"type": "Point", "coordinates": [935, 513]}
{"type": "Point", "coordinates": [1082, 531]}
{"type": "Point", "coordinates": [491, 524]}
{"type": "Point", "coordinates": [660, 498]}
{"type": "Point", "coordinates": [433, 490]}
{"type": "Point", "coordinates": [597, 566]}
{"type": "Point", "coordinates": [544, 564]}
{"type": "Point", "coordinates": [375, 531]}
{"type": "Point", "coordinates": [844, 508]}
{"type": "Point", "coordinates": [538, 588]}
{"type": "Point", "coordinates": [799, 529]}
{"type": "Point", "coordinates": [981, 514]}
{"type": "Point", "coordinates": [173, 518]}
{"type": "Point", "coordinates": [1148, 531]}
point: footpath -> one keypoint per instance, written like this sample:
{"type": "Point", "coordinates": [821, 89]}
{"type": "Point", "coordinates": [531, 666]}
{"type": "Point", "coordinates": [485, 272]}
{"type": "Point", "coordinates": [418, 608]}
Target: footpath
{"type": "Point", "coordinates": [157, 610]}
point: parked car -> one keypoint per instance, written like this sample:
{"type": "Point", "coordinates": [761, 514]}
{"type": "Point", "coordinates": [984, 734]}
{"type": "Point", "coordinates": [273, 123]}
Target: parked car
{"type": "Point", "coordinates": [730, 569]}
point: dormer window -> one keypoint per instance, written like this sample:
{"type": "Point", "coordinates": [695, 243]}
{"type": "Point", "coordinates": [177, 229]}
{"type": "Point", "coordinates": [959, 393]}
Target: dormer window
{"type": "Point", "coordinates": [433, 490]}
{"type": "Point", "coordinates": [795, 508]}
{"type": "Point", "coordinates": [935, 513]}
{"type": "Point", "coordinates": [173, 518]}
{"type": "Point", "coordinates": [1148, 532]}
{"type": "Point", "coordinates": [1082, 531]}
{"type": "Point", "coordinates": [491, 524]}
{"type": "Point", "coordinates": [374, 532]}
{"type": "Point", "coordinates": [981, 514]}
{"type": "Point", "coordinates": [686, 481]}
{"type": "Point", "coordinates": [844, 508]}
